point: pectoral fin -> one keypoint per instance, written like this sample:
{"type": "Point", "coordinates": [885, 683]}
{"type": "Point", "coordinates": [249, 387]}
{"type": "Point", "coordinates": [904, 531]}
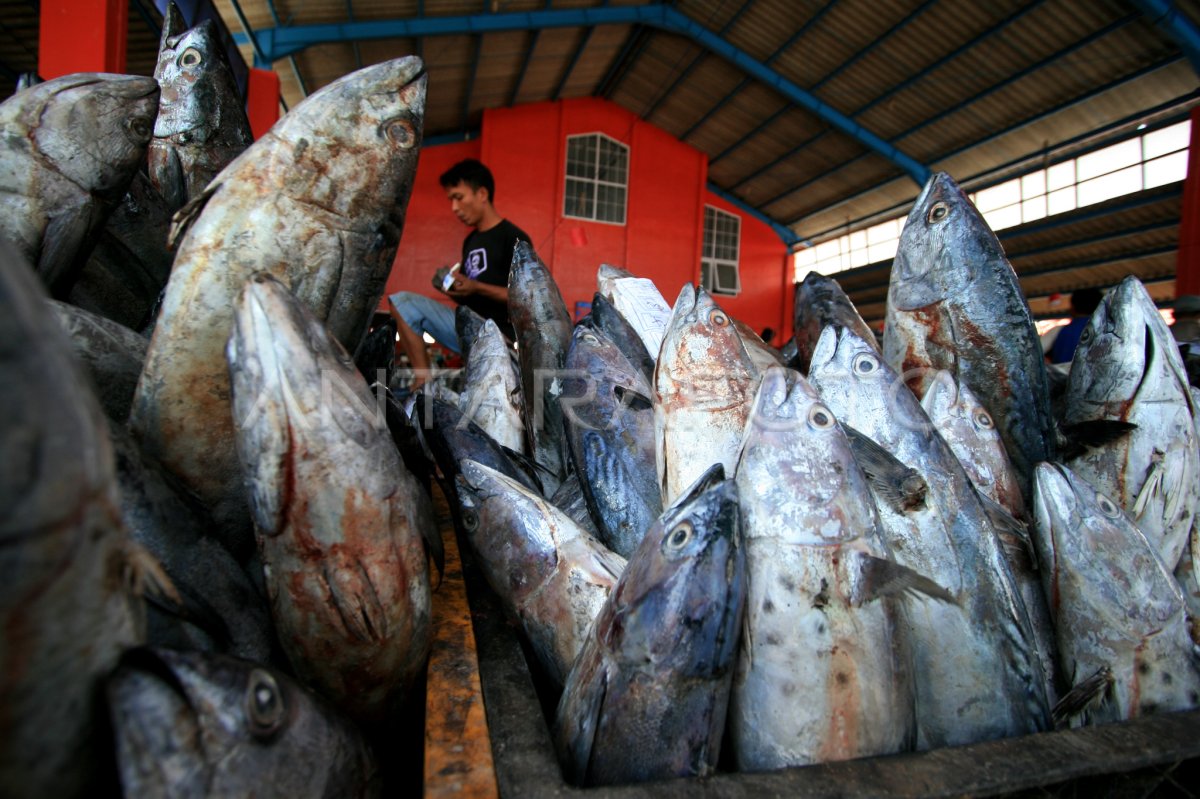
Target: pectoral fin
{"type": "Point", "coordinates": [353, 597]}
{"type": "Point", "coordinates": [1082, 695]}
{"type": "Point", "coordinates": [901, 487]}
{"type": "Point", "coordinates": [882, 577]}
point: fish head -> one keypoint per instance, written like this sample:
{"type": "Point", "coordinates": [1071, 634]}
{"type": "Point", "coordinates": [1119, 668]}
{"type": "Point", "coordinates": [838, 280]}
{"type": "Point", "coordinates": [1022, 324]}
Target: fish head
{"type": "Point", "coordinates": [95, 128]}
{"type": "Point", "coordinates": [682, 593]}
{"type": "Point", "coordinates": [856, 382]}
{"type": "Point", "coordinates": [292, 382]}
{"type": "Point", "coordinates": [703, 361]}
{"type": "Point", "coordinates": [945, 245]}
{"type": "Point", "coordinates": [1093, 552]}
{"type": "Point", "coordinates": [198, 89]}
{"type": "Point", "coordinates": [195, 724]}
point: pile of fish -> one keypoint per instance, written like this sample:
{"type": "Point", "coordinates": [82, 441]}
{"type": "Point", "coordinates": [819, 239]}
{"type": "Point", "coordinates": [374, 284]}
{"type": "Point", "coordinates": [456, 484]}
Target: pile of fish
{"type": "Point", "coordinates": [213, 547]}
{"type": "Point", "coordinates": [218, 515]}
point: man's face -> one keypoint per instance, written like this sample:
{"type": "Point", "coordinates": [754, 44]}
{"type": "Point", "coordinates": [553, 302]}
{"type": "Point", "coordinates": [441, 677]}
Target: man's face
{"type": "Point", "coordinates": [467, 203]}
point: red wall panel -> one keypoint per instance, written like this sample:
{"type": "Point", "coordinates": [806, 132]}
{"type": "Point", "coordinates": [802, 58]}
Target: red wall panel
{"type": "Point", "coordinates": [81, 37]}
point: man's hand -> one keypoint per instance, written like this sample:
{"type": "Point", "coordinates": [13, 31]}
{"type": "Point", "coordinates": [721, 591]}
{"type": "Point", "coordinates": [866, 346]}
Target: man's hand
{"type": "Point", "coordinates": [462, 286]}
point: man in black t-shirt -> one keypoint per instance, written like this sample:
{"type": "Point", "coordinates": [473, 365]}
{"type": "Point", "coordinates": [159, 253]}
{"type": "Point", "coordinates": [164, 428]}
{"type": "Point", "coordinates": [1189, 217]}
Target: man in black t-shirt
{"type": "Point", "coordinates": [481, 280]}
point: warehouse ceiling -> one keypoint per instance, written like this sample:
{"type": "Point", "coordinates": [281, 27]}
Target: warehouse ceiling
{"type": "Point", "coordinates": [819, 116]}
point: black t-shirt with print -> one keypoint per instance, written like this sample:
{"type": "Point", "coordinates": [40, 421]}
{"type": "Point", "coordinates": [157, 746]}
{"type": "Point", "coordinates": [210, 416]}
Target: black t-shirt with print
{"type": "Point", "coordinates": [487, 257]}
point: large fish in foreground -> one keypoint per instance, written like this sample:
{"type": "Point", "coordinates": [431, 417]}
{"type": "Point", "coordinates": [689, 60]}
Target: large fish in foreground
{"type": "Point", "coordinates": [339, 519]}
{"type": "Point", "coordinates": [319, 203]}
{"type": "Point", "coordinates": [189, 724]}
{"type": "Point", "coordinates": [820, 301]}
{"type": "Point", "coordinates": [704, 384]}
{"type": "Point", "coordinates": [202, 123]}
{"type": "Point", "coordinates": [1128, 369]}
{"type": "Point", "coordinates": [647, 697]}
{"type": "Point", "coordinates": [954, 303]}
{"type": "Point", "coordinates": [69, 601]}
{"type": "Point", "coordinates": [823, 670]}
{"type": "Point", "coordinates": [68, 149]}
{"type": "Point", "coordinates": [979, 673]}
{"type": "Point", "coordinates": [1122, 627]}
{"type": "Point", "coordinates": [551, 575]}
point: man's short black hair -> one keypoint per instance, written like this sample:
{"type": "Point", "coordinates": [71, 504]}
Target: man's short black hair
{"type": "Point", "coordinates": [473, 173]}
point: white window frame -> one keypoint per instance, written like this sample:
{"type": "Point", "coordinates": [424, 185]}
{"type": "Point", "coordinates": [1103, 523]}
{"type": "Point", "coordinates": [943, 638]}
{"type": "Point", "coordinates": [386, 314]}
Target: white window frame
{"type": "Point", "coordinates": [596, 183]}
{"type": "Point", "coordinates": [709, 260]}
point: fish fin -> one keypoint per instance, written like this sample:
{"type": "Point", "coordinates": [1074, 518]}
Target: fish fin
{"type": "Point", "coordinates": [353, 597]}
{"type": "Point", "coordinates": [578, 741]}
{"type": "Point", "coordinates": [1013, 534]}
{"type": "Point", "coordinates": [1077, 439]}
{"type": "Point", "coordinates": [435, 550]}
{"type": "Point", "coordinates": [1085, 693]}
{"type": "Point", "coordinates": [531, 468]}
{"type": "Point", "coordinates": [59, 261]}
{"type": "Point", "coordinates": [187, 215]}
{"type": "Point", "coordinates": [898, 485]}
{"type": "Point", "coordinates": [173, 24]}
{"type": "Point", "coordinates": [885, 577]}
{"type": "Point", "coordinates": [1152, 486]}
{"type": "Point", "coordinates": [194, 609]}
{"type": "Point", "coordinates": [146, 577]}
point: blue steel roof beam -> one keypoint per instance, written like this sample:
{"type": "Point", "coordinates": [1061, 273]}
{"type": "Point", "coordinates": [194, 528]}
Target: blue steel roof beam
{"type": "Point", "coordinates": [663, 95]}
{"type": "Point", "coordinates": [260, 59]}
{"type": "Point", "coordinates": [891, 92]}
{"type": "Point", "coordinates": [821, 83]}
{"type": "Point", "coordinates": [1057, 109]}
{"type": "Point", "coordinates": [1079, 45]}
{"type": "Point", "coordinates": [291, 58]}
{"type": "Point", "coordinates": [789, 236]}
{"type": "Point", "coordinates": [1170, 20]}
{"type": "Point", "coordinates": [566, 75]}
{"type": "Point", "coordinates": [279, 42]}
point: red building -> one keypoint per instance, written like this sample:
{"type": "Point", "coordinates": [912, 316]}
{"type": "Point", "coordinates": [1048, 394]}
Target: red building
{"type": "Point", "coordinates": [662, 236]}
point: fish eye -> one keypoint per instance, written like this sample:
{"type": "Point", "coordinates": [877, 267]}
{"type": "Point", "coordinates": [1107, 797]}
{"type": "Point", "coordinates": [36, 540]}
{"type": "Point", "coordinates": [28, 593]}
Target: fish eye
{"type": "Point", "coordinates": [190, 57]}
{"type": "Point", "coordinates": [938, 212]}
{"type": "Point", "coordinates": [1108, 507]}
{"type": "Point", "coordinates": [1086, 335]}
{"type": "Point", "coordinates": [865, 364]}
{"type": "Point", "coordinates": [264, 704]}
{"type": "Point", "coordinates": [590, 339]}
{"type": "Point", "coordinates": [820, 417]}
{"type": "Point", "coordinates": [401, 133]}
{"type": "Point", "coordinates": [470, 520]}
{"type": "Point", "coordinates": [719, 319]}
{"type": "Point", "coordinates": [679, 537]}
{"type": "Point", "coordinates": [140, 128]}
{"type": "Point", "coordinates": [983, 420]}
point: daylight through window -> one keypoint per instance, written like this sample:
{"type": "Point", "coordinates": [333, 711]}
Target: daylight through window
{"type": "Point", "coordinates": [597, 178]}
{"type": "Point", "coordinates": [719, 258]}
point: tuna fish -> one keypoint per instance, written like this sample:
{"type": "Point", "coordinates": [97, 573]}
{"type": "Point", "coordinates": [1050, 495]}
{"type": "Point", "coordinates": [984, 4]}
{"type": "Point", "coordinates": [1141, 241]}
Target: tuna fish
{"type": "Point", "coordinates": [492, 396]}
{"type": "Point", "coordinates": [704, 384]}
{"type": "Point", "coordinates": [338, 517]}
{"type": "Point", "coordinates": [190, 724]}
{"type": "Point", "coordinates": [820, 301]}
{"type": "Point", "coordinates": [202, 123]}
{"type": "Point", "coordinates": [543, 326]}
{"type": "Point", "coordinates": [1122, 628]}
{"type": "Point", "coordinates": [112, 353]}
{"type": "Point", "coordinates": [823, 672]}
{"type": "Point", "coordinates": [1128, 369]}
{"type": "Point", "coordinates": [639, 301]}
{"type": "Point", "coordinates": [647, 697]}
{"type": "Point", "coordinates": [68, 149]}
{"type": "Point", "coordinates": [610, 430]}
{"type": "Point", "coordinates": [954, 303]}
{"type": "Point", "coordinates": [979, 673]}
{"type": "Point", "coordinates": [613, 324]}
{"type": "Point", "coordinates": [318, 202]}
{"type": "Point", "coordinates": [69, 597]}
{"type": "Point", "coordinates": [550, 575]}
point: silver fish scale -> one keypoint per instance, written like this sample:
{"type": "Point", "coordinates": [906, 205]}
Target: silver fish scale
{"type": "Point", "coordinates": [1128, 368]}
{"type": "Point", "coordinates": [1117, 606]}
{"type": "Point", "coordinates": [822, 672]}
{"type": "Point", "coordinates": [978, 671]}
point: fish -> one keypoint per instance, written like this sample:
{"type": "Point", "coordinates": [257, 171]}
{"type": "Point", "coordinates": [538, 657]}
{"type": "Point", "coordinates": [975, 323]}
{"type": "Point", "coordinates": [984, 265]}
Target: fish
{"type": "Point", "coordinates": [376, 356]}
{"type": "Point", "coordinates": [467, 323]}
{"type": "Point", "coordinates": [543, 327]}
{"type": "Point", "coordinates": [954, 303]}
{"type": "Point", "coordinates": [71, 598]}
{"type": "Point", "coordinates": [824, 671]}
{"type": "Point", "coordinates": [338, 518]}
{"type": "Point", "coordinates": [819, 301]}
{"type": "Point", "coordinates": [194, 724]}
{"type": "Point", "coordinates": [128, 269]}
{"type": "Point", "coordinates": [640, 302]}
{"type": "Point", "coordinates": [1127, 369]}
{"type": "Point", "coordinates": [648, 696]}
{"type": "Point", "coordinates": [971, 433]}
{"type": "Point", "coordinates": [703, 386]}
{"type": "Point", "coordinates": [609, 417]}
{"type": "Point", "coordinates": [69, 148]}
{"type": "Point", "coordinates": [762, 354]}
{"type": "Point", "coordinates": [1121, 619]}
{"type": "Point", "coordinates": [221, 608]}
{"type": "Point", "coordinates": [612, 323]}
{"type": "Point", "coordinates": [202, 124]}
{"type": "Point", "coordinates": [570, 500]}
{"type": "Point", "coordinates": [492, 394]}
{"type": "Point", "coordinates": [318, 201]}
{"type": "Point", "coordinates": [979, 673]}
{"type": "Point", "coordinates": [111, 353]}
{"type": "Point", "coordinates": [549, 574]}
